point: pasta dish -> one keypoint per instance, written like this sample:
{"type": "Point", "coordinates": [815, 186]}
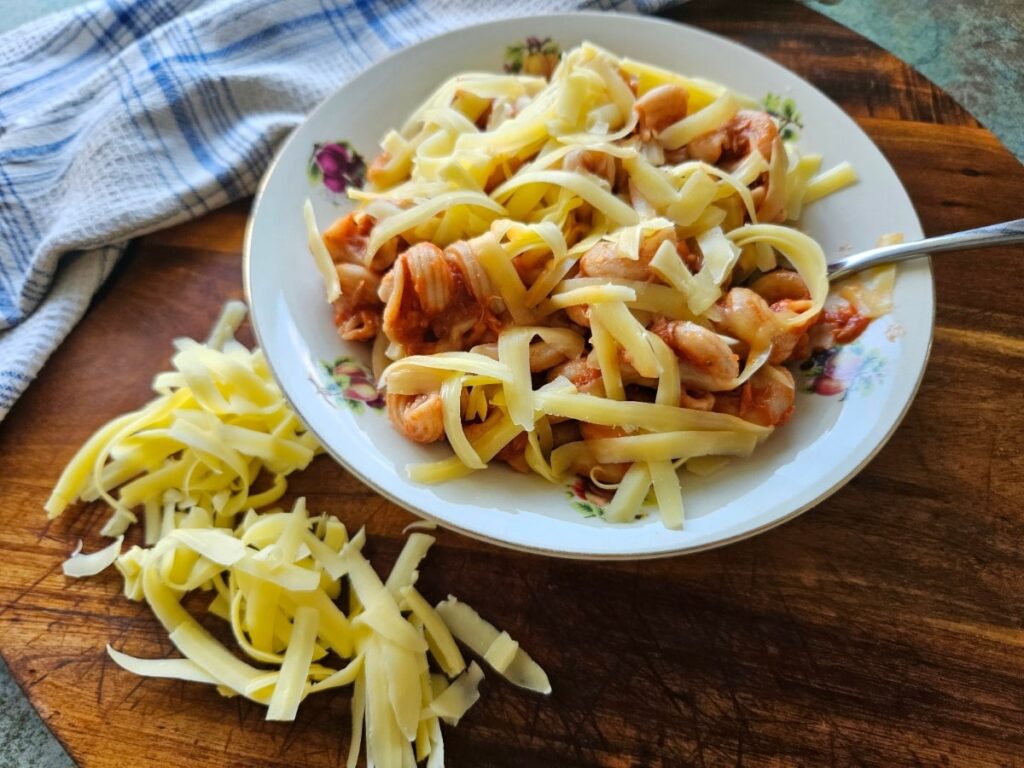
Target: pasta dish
{"type": "Point", "coordinates": [589, 275]}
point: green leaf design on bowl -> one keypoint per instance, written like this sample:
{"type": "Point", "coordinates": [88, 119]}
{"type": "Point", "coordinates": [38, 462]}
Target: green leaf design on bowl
{"type": "Point", "coordinates": [533, 56]}
{"type": "Point", "coordinates": [784, 110]}
{"type": "Point", "coordinates": [587, 498]}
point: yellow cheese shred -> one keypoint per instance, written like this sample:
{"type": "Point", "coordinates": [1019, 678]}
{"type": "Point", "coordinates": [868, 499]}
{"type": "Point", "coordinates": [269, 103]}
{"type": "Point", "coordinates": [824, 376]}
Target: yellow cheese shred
{"type": "Point", "coordinates": [626, 504]}
{"type": "Point", "coordinates": [514, 352]}
{"type": "Point", "coordinates": [662, 446]}
{"type": "Point", "coordinates": [832, 180]}
{"type": "Point", "coordinates": [655, 417]}
{"type": "Point", "coordinates": [803, 253]}
{"type": "Point", "coordinates": [580, 185]}
{"type": "Point", "coordinates": [172, 669]}
{"type": "Point", "coordinates": [700, 122]}
{"type": "Point", "coordinates": [451, 402]}
{"type": "Point", "coordinates": [290, 685]}
{"type": "Point", "coordinates": [480, 635]}
{"type": "Point", "coordinates": [629, 333]}
{"type": "Point", "coordinates": [667, 492]}
{"type": "Point", "coordinates": [408, 220]}
{"type": "Point", "coordinates": [404, 572]}
{"type": "Point", "coordinates": [439, 638]}
{"type": "Point", "coordinates": [501, 652]}
{"type": "Point", "coordinates": [699, 290]}
{"type": "Point", "coordinates": [322, 259]}
{"type": "Point", "coordinates": [497, 432]}
{"type": "Point", "coordinates": [608, 359]}
{"type": "Point", "coordinates": [79, 565]}
{"type": "Point", "coordinates": [458, 697]}
{"type": "Point", "coordinates": [588, 294]}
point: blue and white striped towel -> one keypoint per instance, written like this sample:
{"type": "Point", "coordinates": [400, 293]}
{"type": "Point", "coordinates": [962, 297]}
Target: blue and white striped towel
{"type": "Point", "coordinates": [121, 117]}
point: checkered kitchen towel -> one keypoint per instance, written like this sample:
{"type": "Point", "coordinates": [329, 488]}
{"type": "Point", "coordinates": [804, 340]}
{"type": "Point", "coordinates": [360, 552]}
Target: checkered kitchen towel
{"type": "Point", "coordinates": [125, 116]}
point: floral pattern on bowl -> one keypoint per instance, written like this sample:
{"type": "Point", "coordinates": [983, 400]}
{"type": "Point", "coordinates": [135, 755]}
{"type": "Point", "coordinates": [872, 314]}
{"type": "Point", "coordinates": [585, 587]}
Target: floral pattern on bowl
{"type": "Point", "coordinates": [588, 498]}
{"type": "Point", "coordinates": [533, 56]}
{"type": "Point", "coordinates": [785, 112]}
{"type": "Point", "coordinates": [346, 380]}
{"type": "Point", "coordinates": [337, 166]}
{"type": "Point", "coordinates": [845, 369]}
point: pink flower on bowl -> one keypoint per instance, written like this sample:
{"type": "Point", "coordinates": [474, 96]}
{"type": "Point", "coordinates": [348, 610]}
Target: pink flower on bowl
{"type": "Point", "coordinates": [349, 381]}
{"type": "Point", "coordinates": [337, 166]}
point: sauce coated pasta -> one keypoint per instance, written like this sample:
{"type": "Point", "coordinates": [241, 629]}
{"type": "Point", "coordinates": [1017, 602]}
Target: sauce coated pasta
{"type": "Point", "coordinates": [590, 275]}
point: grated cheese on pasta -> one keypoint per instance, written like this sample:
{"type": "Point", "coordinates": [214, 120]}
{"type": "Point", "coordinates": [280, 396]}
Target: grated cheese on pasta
{"type": "Point", "coordinates": [623, 204]}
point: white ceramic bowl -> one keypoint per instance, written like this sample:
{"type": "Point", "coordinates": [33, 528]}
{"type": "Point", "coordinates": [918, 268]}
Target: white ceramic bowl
{"type": "Point", "coordinates": [828, 440]}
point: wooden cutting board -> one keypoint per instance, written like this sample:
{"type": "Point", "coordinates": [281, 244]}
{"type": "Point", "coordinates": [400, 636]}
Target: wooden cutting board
{"type": "Point", "coordinates": [881, 628]}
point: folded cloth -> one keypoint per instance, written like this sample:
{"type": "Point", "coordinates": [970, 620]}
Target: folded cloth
{"type": "Point", "coordinates": [118, 118]}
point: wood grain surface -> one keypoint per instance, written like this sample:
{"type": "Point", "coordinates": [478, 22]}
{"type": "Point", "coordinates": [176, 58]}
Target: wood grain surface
{"type": "Point", "coordinates": [882, 628]}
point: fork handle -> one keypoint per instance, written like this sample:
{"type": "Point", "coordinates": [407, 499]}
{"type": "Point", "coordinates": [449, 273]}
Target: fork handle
{"type": "Point", "coordinates": [982, 237]}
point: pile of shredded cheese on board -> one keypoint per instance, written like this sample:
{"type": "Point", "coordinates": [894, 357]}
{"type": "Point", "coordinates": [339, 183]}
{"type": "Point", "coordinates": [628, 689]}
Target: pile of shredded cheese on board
{"type": "Point", "coordinates": [303, 603]}
{"type": "Point", "coordinates": [518, 179]}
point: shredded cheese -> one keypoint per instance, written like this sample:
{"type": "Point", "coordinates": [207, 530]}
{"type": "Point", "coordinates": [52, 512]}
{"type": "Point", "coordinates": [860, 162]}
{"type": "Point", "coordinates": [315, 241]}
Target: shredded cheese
{"type": "Point", "coordinates": [832, 180]}
{"type": "Point", "coordinates": [219, 421]}
{"type": "Point", "coordinates": [458, 697]}
{"type": "Point", "coordinates": [480, 636]}
{"type": "Point", "coordinates": [322, 259]}
{"type": "Point", "coordinates": [80, 565]}
{"type": "Point", "coordinates": [189, 459]}
{"type": "Point", "coordinates": [703, 121]}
